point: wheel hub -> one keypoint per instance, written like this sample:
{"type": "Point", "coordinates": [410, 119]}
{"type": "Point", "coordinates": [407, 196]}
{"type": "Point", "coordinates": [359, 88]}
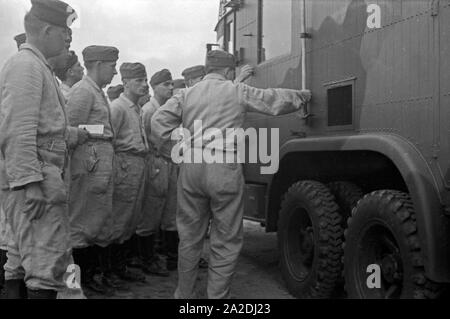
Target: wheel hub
{"type": "Point", "coordinates": [390, 268]}
{"type": "Point", "coordinates": [307, 240]}
{"type": "Point", "coordinates": [300, 244]}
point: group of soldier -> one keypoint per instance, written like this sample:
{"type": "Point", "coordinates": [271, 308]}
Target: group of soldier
{"type": "Point", "coordinates": [89, 180]}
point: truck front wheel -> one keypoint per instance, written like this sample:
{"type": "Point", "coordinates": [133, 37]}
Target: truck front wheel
{"type": "Point", "coordinates": [310, 238]}
{"type": "Point", "coordinates": [382, 254]}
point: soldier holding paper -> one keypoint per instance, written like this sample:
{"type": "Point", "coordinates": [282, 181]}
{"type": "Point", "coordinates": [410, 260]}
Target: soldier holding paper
{"type": "Point", "coordinates": [91, 189]}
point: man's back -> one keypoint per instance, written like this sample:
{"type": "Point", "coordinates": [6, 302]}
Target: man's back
{"type": "Point", "coordinates": [216, 102]}
{"type": "Point", "coordinates": [221, 104]}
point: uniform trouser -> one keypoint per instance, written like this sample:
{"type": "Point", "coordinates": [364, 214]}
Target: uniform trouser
{"type": "Point", "coordinates": [3, 234]}
{"type": "Point", "coordinates": [160, 202]}
{"type": "Point", "coordinates": [128, 197]}
{"type": "Point", "coordinates": [39, 249]}
{"type": "Point", "coordinates": [216, 192]}
{"type": "Point", "coordinates": [91, 194]}
{"type": "Point", "coordinates": [3, 226]}
{"type": "Point", "coordinates": [3, 242]}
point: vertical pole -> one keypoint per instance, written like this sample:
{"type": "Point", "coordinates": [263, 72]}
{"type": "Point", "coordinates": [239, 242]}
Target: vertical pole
{"type": "Point", "coordinates": [303, 43]}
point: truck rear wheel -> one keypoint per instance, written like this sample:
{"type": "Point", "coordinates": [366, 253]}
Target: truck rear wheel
{"type": "Point", "coordinates": [383, 232]}
{"type": "Point", "coordinates": [310, 240]}
{"type": "Point", "coordinates": [347, 196]}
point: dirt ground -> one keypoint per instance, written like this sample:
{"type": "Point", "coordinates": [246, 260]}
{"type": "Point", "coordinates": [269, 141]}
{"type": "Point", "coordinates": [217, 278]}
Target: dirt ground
{"type": "Point", "coordinates": [257, 275]}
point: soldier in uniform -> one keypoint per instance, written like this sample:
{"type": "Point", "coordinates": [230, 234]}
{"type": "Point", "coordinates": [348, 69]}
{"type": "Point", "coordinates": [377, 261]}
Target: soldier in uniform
{"type": "Point", "coordinates": [70, 73]}
{"type": "Point", "coordinates": [33, 144]}
{"type": "Point", "coordinates": [131, 150]}
{"type": "Point", "coordinates": [161, 197]}
{"type": "Point", "coordinates": [91, 189]}
{"type": "Point", "coordinates": [214, 191]}
{"type": "Point", "coordinates": [20, 39]}
{"type": "Point", "coordinates": [192, 76]}
{"type": "Point", "coordinates": [114, 92]}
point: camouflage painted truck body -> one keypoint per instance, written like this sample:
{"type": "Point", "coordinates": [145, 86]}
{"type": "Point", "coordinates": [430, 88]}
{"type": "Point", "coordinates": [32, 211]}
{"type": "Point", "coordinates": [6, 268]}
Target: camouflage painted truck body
{"type": "Point", "coordinates": [381, 106]}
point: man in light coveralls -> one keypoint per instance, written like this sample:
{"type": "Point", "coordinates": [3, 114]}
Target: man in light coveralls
{"type": "Point", "coordinates": [214, 191]}
{"type": "Point", "coordinates": [33, 145]}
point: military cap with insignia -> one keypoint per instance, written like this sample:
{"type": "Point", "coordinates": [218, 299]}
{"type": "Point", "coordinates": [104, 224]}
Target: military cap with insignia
{"type": "Point", "coordinates": [114, 92]}
{"type": "Point", "coordinates": [194, 72]}
{"type": "Point", "coordinates": [220, 59]}
{"type": "Point", "coordinates": [161, 77]}
{"type": "Point", "coordinates": [20, 39]}
{"type": "Point", "coordinates": [179, 84]}
{"type": "Point", "coordinates": [100, 53]}
{"type": "Point", "coordinates": [54, 12]}
{"type": "Point", "coordinates": [133, 71]}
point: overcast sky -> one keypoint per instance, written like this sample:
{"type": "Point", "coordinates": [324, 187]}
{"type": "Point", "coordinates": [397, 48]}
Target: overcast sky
{"type": "Point", "coordinates": [159, 33]}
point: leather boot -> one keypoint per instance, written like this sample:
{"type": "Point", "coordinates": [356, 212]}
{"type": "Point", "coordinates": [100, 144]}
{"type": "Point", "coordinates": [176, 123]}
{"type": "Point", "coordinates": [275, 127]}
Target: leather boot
{"type": "Point", "coordinates": [41, 294]}
{"type": "Point", "coordinates": [172, 241]}
{"type": "Point", "coordinates": [15, 289]}
{"type": "Point", "coordinates": [3, 259]}
{"type": "Point", "coordinates": [93, 278]}
{"type": "Point", "coordinates": [134, 259]}
{"type": "Point", "coordinates": [110, 278]}
{"type": "Point", "coordinates": [151, 262]}
{"type": "Point", "coordinates": [159, 243]}
{"type": "Point", "coordinates": [120, 268]}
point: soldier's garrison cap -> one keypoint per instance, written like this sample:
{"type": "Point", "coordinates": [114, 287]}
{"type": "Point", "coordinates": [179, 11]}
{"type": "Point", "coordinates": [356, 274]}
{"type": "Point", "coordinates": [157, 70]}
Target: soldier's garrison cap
{"type": "Point", "coordinates": [133, 71]}
{"type": "Point", "coordinates": [194, 72]}
{"type": "Point", "coordinates": [114, 92]}
{"type": "Point", "coordinates": [100, 53]}
{"type": "Point", "coordinates": [20, 39]}
{"type": "Point", "coordinates": [179, 84]}
{"type": "Point", "coordinates": [160, 77]}
{"type": "Point", "coordinates": [53, 12]}
{"type": "Point", "coordinates": [220, 59]}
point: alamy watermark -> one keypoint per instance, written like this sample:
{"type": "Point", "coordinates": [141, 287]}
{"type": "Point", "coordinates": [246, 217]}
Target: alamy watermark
{"type": "Point", "coordinates": [232, 145]}
{"type": "Point", "coordinates": [374, 279]}
{"type": "Point", "coordinates": [72, 277]}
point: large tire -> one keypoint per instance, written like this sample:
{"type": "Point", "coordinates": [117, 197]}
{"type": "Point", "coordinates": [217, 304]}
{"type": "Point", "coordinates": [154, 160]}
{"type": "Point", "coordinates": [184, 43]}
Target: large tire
{"type": "Point", "coordinates": [347, 196]}
{"type": "Point", "coordinates": [383, 231]}
{"type": "Point", "coordinates": [310, 240]}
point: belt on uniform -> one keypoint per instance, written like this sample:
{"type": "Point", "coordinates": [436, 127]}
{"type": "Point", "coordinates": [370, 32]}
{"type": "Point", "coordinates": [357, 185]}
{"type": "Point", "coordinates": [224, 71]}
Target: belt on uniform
{"type": "Point", "coordinates": [100, 139]}
{"type": "Point", "coordinates": [142, 155]}
{"type": "Point", "coordinates": [156, 154]}
{"type": "Point", "coordinates": [51, 144]}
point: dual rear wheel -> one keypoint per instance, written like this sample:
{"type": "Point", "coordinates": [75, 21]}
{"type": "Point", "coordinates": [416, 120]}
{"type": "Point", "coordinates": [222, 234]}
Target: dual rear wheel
{"type": "Point", "coordinates": [381, 235]}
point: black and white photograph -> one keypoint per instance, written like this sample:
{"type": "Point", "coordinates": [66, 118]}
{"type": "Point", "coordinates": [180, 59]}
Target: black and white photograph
{"type": "Point", "coordinates": [249, 151]}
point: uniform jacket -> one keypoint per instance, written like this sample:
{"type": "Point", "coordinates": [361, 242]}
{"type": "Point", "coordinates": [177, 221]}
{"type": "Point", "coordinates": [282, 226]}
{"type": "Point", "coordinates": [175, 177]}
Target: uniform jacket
{"type": "Point", "coordinates": [33, 123]}
{"type": "Point", "coordinates": [88, 106]}
{"type": "Point", "coordinates": [149, 110]}
{"type": "Point", "coordinates": [127, 121]}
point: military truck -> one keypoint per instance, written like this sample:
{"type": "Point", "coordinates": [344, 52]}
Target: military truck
{"type": "Point", "coordinates": [361, 199]}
